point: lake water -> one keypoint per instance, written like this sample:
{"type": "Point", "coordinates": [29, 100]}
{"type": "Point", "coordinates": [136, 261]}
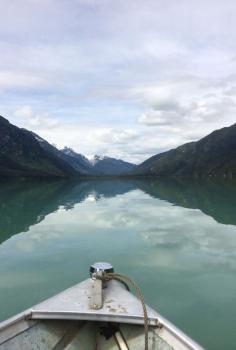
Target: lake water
{"type": "Point", "coordinates": [176, 239]}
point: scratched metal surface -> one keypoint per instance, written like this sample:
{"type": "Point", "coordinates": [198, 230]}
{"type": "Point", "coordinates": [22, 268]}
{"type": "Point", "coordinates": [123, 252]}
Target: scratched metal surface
{"type": "Point", "coordinates": [74, 303]}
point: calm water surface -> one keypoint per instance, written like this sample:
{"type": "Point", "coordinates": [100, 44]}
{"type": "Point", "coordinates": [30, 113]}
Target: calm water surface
{"type": "Point", "coordinates": [176, 239]}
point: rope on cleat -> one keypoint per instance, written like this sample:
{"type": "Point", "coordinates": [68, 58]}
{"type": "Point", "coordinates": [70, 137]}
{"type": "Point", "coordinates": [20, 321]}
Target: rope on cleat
{"type": "Point", "coordinates": [107, 276]}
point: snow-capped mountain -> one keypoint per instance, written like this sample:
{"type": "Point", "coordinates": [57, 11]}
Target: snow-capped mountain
{"type": "Point", "coordinates": [77, 161]}
{"type": "Point", "coordinates": [95, 159]}
{"type": "Point", "coordinates": [98, 165]}
{"type": "Point", "coordinates": [110, 166]}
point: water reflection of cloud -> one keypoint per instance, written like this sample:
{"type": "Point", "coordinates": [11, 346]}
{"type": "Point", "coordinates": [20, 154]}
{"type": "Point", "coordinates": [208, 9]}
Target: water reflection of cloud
{"type": "Point", "coordinates": [195, 236]}
{"type": "Point", "coordinates": [166, 231]}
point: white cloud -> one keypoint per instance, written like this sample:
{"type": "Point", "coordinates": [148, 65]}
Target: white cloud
{"type": "Point", "coordinates": [24, 112]}
{"type": "Point", "coordinates": [159, 117]}
{"type": "Point", "coordinates": [35, 121]}
{"type": "Point", "coordinates": [189, 108]}
{"type": "Point", "coordinates": [13, 79]}
{"type": "Point", "coordinates": [114, 136]}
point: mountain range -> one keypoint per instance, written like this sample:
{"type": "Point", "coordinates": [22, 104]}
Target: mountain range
{"type": "Point", "coordinates": [97, 165]}
{"type": "Point", "coordinates": [26, 154]}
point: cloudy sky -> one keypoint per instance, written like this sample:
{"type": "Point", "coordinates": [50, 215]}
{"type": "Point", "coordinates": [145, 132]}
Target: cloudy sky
{"type": "Point", "coordinates": [124, 78]}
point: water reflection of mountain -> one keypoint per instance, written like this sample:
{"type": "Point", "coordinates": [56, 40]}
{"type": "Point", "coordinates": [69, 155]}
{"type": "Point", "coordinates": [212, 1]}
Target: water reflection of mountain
{"type": "Point", "coordinates": [26, 203]}
{"type": "Point", "coordinates": [214, 198]}
{"type": "Point", "coordinates": [23, 204]}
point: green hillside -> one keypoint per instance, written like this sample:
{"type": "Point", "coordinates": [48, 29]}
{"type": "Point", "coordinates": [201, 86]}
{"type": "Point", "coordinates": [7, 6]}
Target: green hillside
{"type": "Point", "coordinates": [213, 155]}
